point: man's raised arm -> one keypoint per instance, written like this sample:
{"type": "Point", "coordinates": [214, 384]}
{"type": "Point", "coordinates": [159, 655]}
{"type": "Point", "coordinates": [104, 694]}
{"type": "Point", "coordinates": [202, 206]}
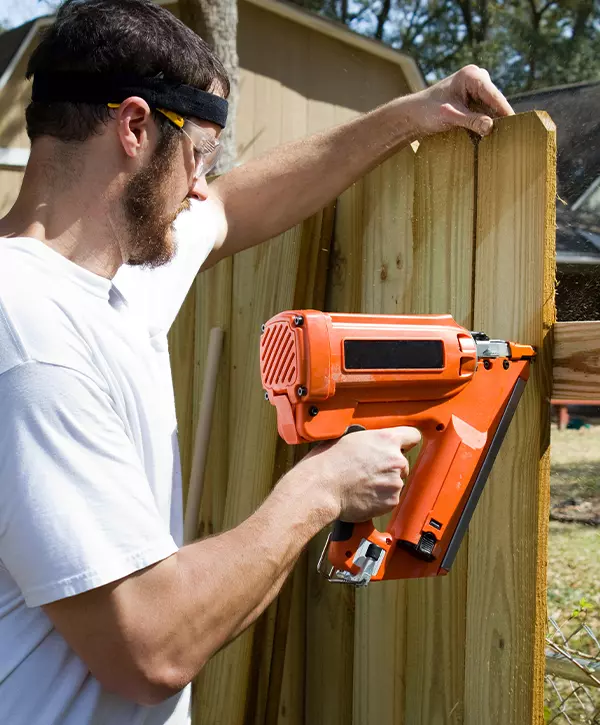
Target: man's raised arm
{"type": "Point", "coordinates": [281, 188]}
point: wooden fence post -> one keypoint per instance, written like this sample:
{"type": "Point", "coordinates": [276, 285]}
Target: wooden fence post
{"type": "Point", "coordinates": [514, 299]}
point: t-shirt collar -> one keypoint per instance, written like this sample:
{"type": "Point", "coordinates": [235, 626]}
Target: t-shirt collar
{"type": "Point", "coordinates": [93, 283]}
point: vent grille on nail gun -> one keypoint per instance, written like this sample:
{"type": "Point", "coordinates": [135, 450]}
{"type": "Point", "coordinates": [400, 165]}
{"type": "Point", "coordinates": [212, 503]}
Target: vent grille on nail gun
{"type": "Point", "coordinates": [278, 356]}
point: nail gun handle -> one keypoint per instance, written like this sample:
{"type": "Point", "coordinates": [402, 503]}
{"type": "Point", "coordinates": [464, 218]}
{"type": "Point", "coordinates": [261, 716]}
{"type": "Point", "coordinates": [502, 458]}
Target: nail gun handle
{"type": "Point", "coordinates": [346, 550]}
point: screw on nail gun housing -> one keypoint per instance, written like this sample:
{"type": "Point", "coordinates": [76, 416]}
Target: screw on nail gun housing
{"type": "Point", "coordinates": [332, 374]}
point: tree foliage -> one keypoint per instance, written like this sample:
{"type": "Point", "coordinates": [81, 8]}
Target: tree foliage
{"type": "Point", "coordinates": [525, 44]}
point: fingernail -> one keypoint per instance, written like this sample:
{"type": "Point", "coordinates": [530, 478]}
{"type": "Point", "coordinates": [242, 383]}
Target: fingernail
{"type": "Point", "coordinates": [485, 126]}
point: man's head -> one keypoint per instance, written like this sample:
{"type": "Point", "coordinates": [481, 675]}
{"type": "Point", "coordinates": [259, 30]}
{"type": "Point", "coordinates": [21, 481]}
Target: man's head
{"type": "Point", "coordinates": [131, 39]}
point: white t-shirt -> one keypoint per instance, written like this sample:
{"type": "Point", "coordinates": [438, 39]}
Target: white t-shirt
{"type": "Point", "coordinates": [90, 483]}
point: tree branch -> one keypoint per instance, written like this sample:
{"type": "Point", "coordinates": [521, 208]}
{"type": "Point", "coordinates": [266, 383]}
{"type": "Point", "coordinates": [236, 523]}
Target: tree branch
{"type": "Point", "coordinates": [382, 18]}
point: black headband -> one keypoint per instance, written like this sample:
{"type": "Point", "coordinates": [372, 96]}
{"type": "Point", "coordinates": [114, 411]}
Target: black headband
{"type": "Point", "coordinates": [79, 87]}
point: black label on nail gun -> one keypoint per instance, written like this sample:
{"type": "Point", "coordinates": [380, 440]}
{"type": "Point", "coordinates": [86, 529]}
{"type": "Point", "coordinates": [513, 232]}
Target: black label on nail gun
{"type": "Point", "coordinates": [393, 354]}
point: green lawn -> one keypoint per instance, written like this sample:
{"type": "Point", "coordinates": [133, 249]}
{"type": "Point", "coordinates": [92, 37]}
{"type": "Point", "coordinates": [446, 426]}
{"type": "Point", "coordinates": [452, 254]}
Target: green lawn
{"type": "Point", "coordinates": [574, 548]}
{"type": "Point", "coordinates": [574, 564]}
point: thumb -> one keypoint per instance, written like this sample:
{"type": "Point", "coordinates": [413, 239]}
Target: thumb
{"type": "Point", "coordinates": [479, 123]}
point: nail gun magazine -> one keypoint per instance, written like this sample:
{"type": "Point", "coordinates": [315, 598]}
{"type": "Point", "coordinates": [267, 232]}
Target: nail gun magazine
{"type": "Point", "coordinates": [330, 374]}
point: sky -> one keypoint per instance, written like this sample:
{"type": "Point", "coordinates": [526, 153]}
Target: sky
{"type": "Point", "coordinates": [17, 12]}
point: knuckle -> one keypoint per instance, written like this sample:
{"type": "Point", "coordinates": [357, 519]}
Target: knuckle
{"type": "Point", "coordinates": [472, 69]}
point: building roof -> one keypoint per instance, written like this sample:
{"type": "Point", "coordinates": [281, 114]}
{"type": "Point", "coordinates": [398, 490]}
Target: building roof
{"type": "Point", "coordinates": [11, 42]}
{"type": "Point", "coordinates": [575, 111]}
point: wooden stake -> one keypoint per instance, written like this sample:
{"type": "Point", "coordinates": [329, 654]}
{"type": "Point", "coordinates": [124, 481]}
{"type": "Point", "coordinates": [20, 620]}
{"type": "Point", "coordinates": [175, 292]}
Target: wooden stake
{"type": "Point", "coordinates": [182, 338]}
{"type": "Point", "coordinates": [209, 387]}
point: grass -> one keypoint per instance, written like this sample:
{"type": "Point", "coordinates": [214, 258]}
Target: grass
{"type": "Point", "coordinates": [574, 548]}
{"type": "Point", "coordinates": [576, 470]}
{"type": "Point", "coordinates": [574, 561]}
{"type": "Point", "coordinates": [573, 567]}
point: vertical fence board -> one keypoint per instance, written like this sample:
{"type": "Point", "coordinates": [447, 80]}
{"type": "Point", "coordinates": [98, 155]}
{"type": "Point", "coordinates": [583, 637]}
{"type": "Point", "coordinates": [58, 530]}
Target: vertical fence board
{"type": "Point", "coordinates": [506, 605]}
{"type": "Point", "coordinates": [329, 608]}
{"type": "Point", "coordinates": [266, 280]}
{"type": "Point", "coordinates": [371, 273]}
{"type": "Point", "coordinates": [442, 283]}
{"type": "Point", "coordinates": [386, 227]}
{"type": "Point", "coordinates": [213, 309]}
{"type": "Point", "coordinates": [309, 293]}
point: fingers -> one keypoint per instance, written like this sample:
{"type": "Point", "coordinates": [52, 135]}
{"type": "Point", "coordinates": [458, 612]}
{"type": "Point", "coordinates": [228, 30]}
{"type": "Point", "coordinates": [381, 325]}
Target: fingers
{"type": "Point", "coordinates": [409, 437]}
{"type": "Point", "coordinates": [404, 469]}
{"type": "Point", "coordinates": [459, 115]}
{"type": "Point", "coordinates": [480, 88]}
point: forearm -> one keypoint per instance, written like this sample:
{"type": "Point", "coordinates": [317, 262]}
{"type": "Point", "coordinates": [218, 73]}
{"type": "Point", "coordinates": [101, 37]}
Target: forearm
{"type": "Point", "coordinates": [276, 191]}
{"type": "Point", "coordinates": [207, 593]}
{"type": "Point", "coordinates": [270, 596]}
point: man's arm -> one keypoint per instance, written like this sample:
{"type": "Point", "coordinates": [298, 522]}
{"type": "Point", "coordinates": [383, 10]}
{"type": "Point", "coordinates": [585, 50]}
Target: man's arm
{"type": "Point", "coordinates": [146, 636]}
{"type": "Point", "coordinates": [276, 191]}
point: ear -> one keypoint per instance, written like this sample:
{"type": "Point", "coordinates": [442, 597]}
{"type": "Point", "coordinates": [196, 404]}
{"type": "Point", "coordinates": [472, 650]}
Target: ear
{"type": "Point", "coordinates": [133, 125]}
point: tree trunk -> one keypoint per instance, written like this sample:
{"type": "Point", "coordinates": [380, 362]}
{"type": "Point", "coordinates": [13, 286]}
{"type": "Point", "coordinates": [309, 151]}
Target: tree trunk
{"type": "Point", "coordinates": [216, 22]}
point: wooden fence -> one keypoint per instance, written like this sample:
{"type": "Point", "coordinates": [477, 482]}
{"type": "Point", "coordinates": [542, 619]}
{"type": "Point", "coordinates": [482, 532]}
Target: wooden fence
{"type": "Point", "coordinates": [452, 226]}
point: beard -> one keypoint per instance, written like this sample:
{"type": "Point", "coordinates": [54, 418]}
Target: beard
{"type": "Point", "coordinates": [149, 224]}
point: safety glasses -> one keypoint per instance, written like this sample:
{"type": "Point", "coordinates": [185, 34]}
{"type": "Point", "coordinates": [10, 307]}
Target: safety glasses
{"type": "Point", "coordinates": [207, 150]}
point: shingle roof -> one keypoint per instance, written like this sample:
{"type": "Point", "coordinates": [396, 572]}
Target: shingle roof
{"type": "Point", "coordinates": [10, 42]}
{"type": "Point", "coordinates": [575, 109]}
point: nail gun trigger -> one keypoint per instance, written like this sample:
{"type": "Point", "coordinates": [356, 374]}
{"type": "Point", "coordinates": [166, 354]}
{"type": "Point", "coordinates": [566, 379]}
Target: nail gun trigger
{"type": "Point", "coordinates": [368, 558]}
{"type": "Point", "coordinates": [354, 428]}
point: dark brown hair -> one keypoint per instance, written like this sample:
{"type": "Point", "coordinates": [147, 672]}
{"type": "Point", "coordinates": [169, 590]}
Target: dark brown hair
{"type": "Point", "coordinates": [116, 36]}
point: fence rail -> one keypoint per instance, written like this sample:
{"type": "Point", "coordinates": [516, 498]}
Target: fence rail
{"type": "Point", "coordinates": [576, 367]}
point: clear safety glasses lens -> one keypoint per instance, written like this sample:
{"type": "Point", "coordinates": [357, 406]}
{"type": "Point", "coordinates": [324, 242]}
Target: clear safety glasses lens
{"type": "Point", "coordinates": [207, 150]}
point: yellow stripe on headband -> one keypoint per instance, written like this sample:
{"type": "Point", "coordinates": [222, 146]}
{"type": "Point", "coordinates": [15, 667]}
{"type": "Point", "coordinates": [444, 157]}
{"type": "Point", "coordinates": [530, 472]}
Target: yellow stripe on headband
{"type": "Point", "coordinates": [171, 115]}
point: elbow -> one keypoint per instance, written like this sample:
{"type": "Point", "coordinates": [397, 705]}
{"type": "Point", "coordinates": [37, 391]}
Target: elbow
{"type": "Point", "coordinates": [145, 685]}
{"type": "Point", "coordinates": [155, 687]}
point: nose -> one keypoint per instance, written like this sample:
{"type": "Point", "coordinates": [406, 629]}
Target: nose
{"type": "Point", "coordinates": [199, 189]}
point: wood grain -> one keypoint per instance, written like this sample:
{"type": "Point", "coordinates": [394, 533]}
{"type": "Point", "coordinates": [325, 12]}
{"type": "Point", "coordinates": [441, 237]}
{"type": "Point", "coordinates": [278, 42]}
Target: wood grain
{"type": "Point", "coordinates": [213, 308]}
{"type": "Point", "coordinates": [182, 340]}
{"type": "Point", "coordinates": [514, 299]}
{"type": "Point", "coordinates": [378, 211]}
{"type": "Point", "coordinates": [444, 226]}
{"type": "Point", "coordinates": [576, 366]}
{"type": "Point", "coordinates": [266, 280]}
{"type": "Point", "coordinates": [330, 608]}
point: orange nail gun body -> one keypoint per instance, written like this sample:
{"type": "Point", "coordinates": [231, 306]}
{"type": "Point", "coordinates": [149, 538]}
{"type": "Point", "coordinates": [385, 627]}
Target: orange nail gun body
{"type": "Point", "coordinates": [331, 374]}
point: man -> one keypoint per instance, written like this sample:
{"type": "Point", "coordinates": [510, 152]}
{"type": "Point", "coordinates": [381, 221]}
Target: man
{"type": "Point", "coordinates": [104, 616]}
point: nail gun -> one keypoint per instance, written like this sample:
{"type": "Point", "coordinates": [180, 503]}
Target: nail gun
{"type": "Point", "coordinates": [331, 374]}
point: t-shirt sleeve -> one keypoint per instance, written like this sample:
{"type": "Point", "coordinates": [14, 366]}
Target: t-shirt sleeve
{"type": "Point", "coordinates": [76, 509]}
{"type": "Point", "coordinates": [157, 294]}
